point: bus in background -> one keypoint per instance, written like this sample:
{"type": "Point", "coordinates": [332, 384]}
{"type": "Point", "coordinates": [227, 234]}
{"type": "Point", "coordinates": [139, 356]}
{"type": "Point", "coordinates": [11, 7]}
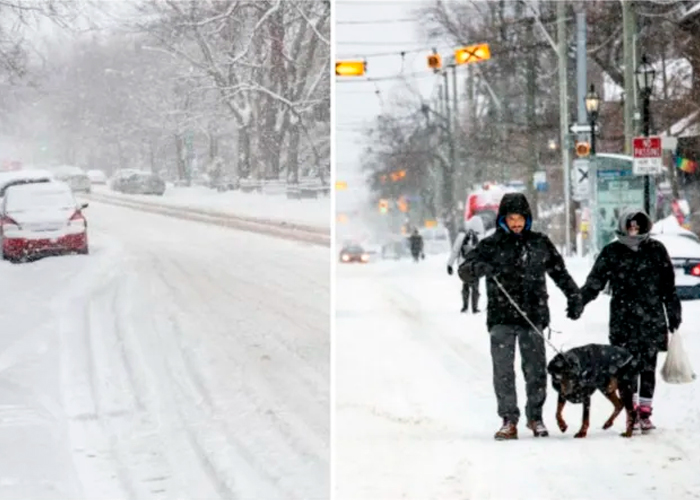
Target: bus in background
{"type": "Point", "coordinates": [484, 202]}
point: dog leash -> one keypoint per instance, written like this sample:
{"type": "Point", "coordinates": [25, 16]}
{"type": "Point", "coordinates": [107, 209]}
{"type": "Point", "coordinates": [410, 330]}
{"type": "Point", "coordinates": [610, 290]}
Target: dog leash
{"type": "Point", "coordinates": [522, 313]}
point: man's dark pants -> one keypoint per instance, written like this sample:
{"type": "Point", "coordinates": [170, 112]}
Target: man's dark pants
{"type": "Point", "coordinates": [534, 366]}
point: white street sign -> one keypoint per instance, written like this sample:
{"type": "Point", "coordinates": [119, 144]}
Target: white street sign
{"type": "Point", "coordinates": [580, 179]}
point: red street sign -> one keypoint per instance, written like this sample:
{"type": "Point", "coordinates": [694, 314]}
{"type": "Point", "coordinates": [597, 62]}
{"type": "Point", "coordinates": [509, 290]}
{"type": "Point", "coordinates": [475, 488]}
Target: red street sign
{"type": "Point", "coordinates": [646, 147]}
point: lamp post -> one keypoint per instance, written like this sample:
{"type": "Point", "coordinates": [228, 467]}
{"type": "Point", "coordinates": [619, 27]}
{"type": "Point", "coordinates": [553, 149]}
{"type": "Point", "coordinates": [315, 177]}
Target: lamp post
{"type": "Point", "coordinates": [645, 74]}
{"type": "Point", "coordinates": [592, 102]}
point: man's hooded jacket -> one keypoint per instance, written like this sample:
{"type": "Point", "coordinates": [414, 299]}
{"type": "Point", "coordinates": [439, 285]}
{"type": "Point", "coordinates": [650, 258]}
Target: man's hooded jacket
{"type": "Point", "coordinates": [520, 262]}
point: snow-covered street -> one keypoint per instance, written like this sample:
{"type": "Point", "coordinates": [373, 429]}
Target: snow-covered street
{"type": "Point", "coordinates": [416, 411]}
{"type": "Point", "coordinates": [177, 360]}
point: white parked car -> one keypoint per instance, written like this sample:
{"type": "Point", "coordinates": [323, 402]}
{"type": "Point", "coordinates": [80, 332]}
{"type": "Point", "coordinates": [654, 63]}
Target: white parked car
{"type": "Point", "coordinates": [684, 251]}
{"type": "Point", "coordinates": [97, 176]}
{"type": "Point", "coordinates": [75, 177]}
{"type": "Point", "coordinates": [42, 218]}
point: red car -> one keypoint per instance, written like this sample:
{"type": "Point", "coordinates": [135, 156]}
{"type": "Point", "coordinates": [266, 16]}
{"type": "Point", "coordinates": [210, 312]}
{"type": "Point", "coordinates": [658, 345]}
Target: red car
{"type": "Point", "coordinates": [40, 219]}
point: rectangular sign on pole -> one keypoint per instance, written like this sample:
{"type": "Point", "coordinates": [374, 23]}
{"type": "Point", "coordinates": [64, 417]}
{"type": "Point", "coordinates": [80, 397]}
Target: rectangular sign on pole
{"type": "Point", "coordinates": [647, 159]}
{"type": "Point", "coordinates": [581, 179]}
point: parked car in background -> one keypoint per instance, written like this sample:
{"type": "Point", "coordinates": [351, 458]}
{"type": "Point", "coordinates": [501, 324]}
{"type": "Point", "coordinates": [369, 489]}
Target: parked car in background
{"type": "Point", "coordinates": [42, 218]}
{"type": "Point", "coordinates": [684, 251]}
{"type": "Point", "coordinates": [97, 177]}
{"type": "Point", "coordinates": [75, 177]}
{"type": "Point", "coordinates": [132, 181]}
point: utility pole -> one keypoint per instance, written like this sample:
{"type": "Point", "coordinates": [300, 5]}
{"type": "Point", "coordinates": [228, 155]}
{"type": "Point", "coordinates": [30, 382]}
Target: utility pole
{"type": "Point", "coordinates": [458, 178]}
{"type": "Point", "coordinates": [564, 120]}
{"type": "Point", "coordinates": [581, 87]}
{"type": "Point", "coordinates": [532, 118]}
{"type": "Point", "coordinates": [448, 180]}
{"type": "Point", "coordinates": [629, 27]}
{"type": "Point", "coordinates": [469, 128]}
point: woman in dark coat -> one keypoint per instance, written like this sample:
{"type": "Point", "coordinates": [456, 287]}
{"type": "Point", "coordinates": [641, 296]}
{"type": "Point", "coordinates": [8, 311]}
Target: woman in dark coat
{"type": "Point", "coordinates": [643, 288]}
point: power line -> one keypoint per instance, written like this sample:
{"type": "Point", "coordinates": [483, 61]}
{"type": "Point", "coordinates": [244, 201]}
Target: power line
{"type": "Point", "coordinates": [394, 53]}
{"type": "Point", "coordinates": [379, 21]}
{"type": "Point", "coordinates": [374, 43]}
{"type": "Point", "coordinates": [401, 76]}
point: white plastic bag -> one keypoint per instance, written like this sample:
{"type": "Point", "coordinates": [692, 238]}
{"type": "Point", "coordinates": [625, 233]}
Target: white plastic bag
{"type": "Point", "coordinates": [677, 368]}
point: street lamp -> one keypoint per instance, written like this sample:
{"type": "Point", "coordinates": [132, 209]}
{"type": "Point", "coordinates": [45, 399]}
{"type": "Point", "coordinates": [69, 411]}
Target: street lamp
{"type": "Point", "coordinates": [645, 74]}
{"type": "Point", "coordinates": [592, 102]}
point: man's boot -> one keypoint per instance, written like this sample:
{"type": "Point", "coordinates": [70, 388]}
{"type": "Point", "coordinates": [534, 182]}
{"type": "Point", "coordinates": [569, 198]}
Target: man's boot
{"type": "Point", "coordinates": [507, 431]}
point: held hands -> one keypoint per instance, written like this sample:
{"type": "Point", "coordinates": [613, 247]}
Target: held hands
{"type": "Point", "coordinates": [575, 307]}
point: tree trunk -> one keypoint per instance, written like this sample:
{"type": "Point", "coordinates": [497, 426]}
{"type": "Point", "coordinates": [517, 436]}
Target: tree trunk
{"type": "Point", "coordinates": [180, 155]}
{"type": "Point", "coordinates": [293, 155]}
{"type": "Point", "coordinates": [244, 166]}
{"type": "Point", "coordinates": [532, 120]}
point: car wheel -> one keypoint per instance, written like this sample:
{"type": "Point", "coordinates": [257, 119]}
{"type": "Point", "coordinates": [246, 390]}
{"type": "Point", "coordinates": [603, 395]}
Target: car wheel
{"type": "Point", "coordinates": [84, 251]}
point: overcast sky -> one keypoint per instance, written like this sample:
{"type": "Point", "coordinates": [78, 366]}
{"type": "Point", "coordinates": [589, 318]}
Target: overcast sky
{"type": "Point", "coordinates": [378, 31]}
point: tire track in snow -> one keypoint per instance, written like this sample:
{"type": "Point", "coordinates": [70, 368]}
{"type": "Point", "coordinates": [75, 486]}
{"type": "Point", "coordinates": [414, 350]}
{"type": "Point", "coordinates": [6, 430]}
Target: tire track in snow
{"type": "Point", "coordinates": [203, 286]}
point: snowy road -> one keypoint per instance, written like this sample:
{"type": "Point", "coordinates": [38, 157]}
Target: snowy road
{"type": "Point", "coordinates": [416, 411]}
{"type": "Point", "coordinates": [178, 360]}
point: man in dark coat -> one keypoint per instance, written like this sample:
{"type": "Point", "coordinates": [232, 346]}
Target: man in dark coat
{"type": "Point", "coordinates": [415, 242]}
{"type": "Point", "coordinates": [519, 259]}
{"type": "Point", "coordinates": [643, 288]}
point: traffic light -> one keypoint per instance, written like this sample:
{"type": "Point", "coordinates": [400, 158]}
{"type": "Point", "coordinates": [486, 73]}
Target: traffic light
{"type": "Point", "coordinates": [434, 61]}
{"type": "Point", "coordinates": [350, 68]}
{"type": "Point", "coordinates": [341, 185]}
{"type": "Point", "coordinates": [383, 206]}
{"type": "Point", "coordinates": [402, 203]}
{"type": "Point", "coordinates": [472, 54]}
{"type": "Point", "coordinates": [583, 149]}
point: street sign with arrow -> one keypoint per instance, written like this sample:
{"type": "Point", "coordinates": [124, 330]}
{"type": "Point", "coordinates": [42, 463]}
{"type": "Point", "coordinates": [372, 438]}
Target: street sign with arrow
{"type": "Point", "coordinates": [580, 179]}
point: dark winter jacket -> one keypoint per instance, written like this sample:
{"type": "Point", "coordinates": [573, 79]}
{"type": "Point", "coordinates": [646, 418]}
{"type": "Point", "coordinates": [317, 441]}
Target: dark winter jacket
{"type": "Point", "coordinates": [415, 241]}
{"type": "Point", "coordinates": [642, 285]}
{"type": "Point", "coordinates": [519, 262]}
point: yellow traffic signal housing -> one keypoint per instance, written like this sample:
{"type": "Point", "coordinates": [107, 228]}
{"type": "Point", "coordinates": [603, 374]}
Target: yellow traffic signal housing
{"type": "Point", "coordinates": [350, 68]}
{"type": "Point", "coordinates": [341, 185]}
{"type": "Point", "coordinates": [583, 149]}
{"type": "Point", "coordinates": [434, 61]}
{"type": "Point", "coordinates": [472, 54]}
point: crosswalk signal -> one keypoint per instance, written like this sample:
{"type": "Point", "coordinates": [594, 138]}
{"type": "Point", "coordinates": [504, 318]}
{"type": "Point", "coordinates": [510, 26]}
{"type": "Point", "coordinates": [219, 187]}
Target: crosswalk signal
{"type": "Point", "coordinates": [350, 68]}
{"type": "Point", "coordinates": [434, 61]}
{"type": "Point", "coordinates": [583, 149]}
{"type": "Point", "coordinates": [383, 206]}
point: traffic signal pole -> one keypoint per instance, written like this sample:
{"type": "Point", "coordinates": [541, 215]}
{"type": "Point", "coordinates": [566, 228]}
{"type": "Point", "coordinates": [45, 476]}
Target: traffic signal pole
{"type": "Point", "coordinates": [564, 121]}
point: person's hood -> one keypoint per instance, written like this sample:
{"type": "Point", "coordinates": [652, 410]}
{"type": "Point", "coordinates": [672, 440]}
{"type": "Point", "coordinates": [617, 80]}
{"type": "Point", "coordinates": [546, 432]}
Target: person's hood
{"type": "Point", "coordinates": [645, 225]}
{"type": "Point", "coordinates": [514, 203]}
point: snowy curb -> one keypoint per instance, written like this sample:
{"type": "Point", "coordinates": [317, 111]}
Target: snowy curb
{"type": "Point", "coordinates": [290, 231]}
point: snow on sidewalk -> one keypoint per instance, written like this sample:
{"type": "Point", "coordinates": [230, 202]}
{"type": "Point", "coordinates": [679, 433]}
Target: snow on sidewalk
{"type": "Point", "coordinates": [416, 411]}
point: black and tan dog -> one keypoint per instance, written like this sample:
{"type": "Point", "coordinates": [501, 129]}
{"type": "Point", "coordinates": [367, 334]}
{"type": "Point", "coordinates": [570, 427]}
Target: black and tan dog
{"type": "Point", "coordinates": [579, 372]}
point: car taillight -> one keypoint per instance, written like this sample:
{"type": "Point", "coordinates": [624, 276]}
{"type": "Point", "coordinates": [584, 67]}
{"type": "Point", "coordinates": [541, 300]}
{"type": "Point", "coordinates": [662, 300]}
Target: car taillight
{"type": "Point", "coordinates": [695, 271]}
{"type": "Point", "coordinates": [7, 222]}
{"type": "Point", "coordinates": [77, 219]}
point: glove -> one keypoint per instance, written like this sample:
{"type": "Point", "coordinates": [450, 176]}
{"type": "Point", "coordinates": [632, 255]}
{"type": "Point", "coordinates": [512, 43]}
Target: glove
{"type": "Point", "coordinates": [674, 321]}
{"type": "Point", "coordinates": [575, 307]}
{"type": "Point", "coordinates": [450, 270]}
